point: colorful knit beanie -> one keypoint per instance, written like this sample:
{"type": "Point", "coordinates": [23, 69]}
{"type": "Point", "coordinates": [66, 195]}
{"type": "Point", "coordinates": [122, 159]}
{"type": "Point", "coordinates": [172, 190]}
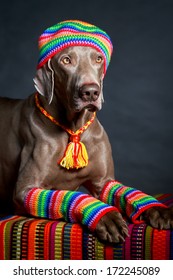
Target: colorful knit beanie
{"type": "Point", "coordinates": [73, 33]}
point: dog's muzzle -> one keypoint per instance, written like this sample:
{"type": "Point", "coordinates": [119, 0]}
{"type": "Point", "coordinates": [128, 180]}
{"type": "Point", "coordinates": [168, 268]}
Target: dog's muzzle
{"type": "Point", "coordinates": [89, 95]}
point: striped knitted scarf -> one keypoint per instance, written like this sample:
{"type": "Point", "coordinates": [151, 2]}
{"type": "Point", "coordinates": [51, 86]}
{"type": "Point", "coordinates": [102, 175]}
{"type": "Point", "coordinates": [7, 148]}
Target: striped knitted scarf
{"type": "Point", "coordinates": [77, 207]}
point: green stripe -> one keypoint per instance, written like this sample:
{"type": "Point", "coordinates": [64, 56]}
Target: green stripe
{"type": "Point", "coordinates": [65, 204]}
{"type": "Point", "coordinates": [69, 38]}
{"type": "Point", "coordinates": [42, 206]}
{"type": "Point", "coordinates": [79, 26]}
{"type": "Point", "coordinates": [87, 211]}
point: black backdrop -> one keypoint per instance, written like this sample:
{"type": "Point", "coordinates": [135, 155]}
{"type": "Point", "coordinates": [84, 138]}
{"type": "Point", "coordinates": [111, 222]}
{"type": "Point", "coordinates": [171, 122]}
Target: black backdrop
{"type": "Point", "coordinates": [138, 87]}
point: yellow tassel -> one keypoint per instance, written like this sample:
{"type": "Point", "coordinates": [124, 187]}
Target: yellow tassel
{"type": "Point", "coordinates": [75, 156]}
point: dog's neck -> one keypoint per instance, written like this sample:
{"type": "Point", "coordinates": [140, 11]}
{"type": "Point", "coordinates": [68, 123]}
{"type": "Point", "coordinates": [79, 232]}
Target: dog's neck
{"type": "Point", "coordinates": [68, 118]}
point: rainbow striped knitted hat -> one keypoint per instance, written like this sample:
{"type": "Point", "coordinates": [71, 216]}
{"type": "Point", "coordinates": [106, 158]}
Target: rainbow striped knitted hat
{"type": "Point", "coordinates": [73, 33]}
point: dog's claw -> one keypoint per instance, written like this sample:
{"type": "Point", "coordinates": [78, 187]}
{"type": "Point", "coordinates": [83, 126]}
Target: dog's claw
{"type": "Point", "coordinates": [125, 232]}
{"type": "Point", "coordinates": [160, 218]}
{"type": "Point", "coordinates": [112, 228]}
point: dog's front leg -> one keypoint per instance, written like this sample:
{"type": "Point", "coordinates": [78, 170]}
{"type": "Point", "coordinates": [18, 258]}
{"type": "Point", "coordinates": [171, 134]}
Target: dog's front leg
{"type": "Point", "coordinates": [71, 206]}
{"type": "Point", "coordinates": [136, 205]}
{"type": "Point", "coordinates": [158, 217]}
{"type": "Point", "coordinates": [111, 227]}
{"type": "Point", "coordinates": [74, 207]}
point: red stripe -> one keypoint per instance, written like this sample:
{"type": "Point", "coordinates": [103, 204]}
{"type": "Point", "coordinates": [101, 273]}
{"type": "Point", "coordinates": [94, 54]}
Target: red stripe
{"type": "Point", "coordinates": [31, 239]}
{"type": "Point", "coordinates": [109, 252]}
{"type": "Point", "coordinates": [47, 235]}
{"type": "Point", "coordinates": [159, 245]}
{"type": "Point", "coordinates": [76, 242]}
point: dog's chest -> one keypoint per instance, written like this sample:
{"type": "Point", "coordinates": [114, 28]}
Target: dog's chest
{"type": "Point", "coordinates": [48, 157]}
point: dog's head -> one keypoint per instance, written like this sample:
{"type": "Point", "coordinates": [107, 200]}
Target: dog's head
{"type": "Point", "coordinates": [74, 57]}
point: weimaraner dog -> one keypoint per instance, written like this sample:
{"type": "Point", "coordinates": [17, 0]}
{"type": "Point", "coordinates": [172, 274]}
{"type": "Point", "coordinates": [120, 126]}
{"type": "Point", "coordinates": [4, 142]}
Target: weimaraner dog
{"type": "Point", "coordinates": [70, 84]}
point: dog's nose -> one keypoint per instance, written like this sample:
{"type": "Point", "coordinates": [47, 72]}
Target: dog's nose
{"type": "Point", "coordinates": [89, 93]}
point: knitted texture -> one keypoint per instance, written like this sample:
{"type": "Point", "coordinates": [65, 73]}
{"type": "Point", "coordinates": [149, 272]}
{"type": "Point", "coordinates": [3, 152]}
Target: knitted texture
{"type": "Point", "coordinates": [68, 205]}
{"type": "Point", "coordinates": [73, 33]}
{"type": "Point", "coordinates": [129, 201]}
{"type": "Point", "coordinates": [28, 238]}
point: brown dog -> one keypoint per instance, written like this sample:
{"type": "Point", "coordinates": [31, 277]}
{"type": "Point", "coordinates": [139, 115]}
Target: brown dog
{"type": "Point", "coordinates": [31, 144]}
{"type": "Point", "coordinates": [70, 87]}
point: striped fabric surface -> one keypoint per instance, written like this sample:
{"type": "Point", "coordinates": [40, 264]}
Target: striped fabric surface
{"type": "Point", "coordinates": [29, 238]}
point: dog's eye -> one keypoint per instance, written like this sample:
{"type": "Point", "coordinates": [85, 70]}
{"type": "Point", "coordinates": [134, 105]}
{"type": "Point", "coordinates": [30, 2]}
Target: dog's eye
{"type": "Point", "coordinates": [66, 60]}
{"type": "Point", "coordinates": [99, 59]}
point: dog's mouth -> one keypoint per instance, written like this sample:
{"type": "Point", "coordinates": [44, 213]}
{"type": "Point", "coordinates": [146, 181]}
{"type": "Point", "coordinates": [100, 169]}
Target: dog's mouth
{"type": "Point", "coordinates": [87, 97]}
{"type": "Point", "coordinates": [90, 106]}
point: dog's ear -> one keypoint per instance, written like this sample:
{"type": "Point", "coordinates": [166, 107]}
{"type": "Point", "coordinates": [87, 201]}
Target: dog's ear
{"type": "Point", "coordinates": [101, 85]}
{"type": "Point", "coordinates": [44, 81]}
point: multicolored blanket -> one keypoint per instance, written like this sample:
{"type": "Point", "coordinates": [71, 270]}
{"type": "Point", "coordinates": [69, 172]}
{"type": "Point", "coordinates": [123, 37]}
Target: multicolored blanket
{"type": "Point", "coordinates": [42, 239]}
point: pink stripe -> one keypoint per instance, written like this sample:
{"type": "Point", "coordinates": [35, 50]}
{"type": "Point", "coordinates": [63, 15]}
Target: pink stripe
{"type": "Point", "coordinates": [52, 241]}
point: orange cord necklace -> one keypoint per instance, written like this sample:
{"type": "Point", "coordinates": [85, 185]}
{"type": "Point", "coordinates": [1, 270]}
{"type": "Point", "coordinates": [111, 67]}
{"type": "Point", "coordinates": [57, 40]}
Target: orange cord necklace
{"type": "Point", "coordinates": [75, 155]}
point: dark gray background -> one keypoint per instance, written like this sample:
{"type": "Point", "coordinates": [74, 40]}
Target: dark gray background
{"type": "Point", "coordinates": [138, 88]}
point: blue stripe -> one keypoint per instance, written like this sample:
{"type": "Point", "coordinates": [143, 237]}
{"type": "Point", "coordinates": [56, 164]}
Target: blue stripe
{"type": "Point", "coordinates": [68, 41]}
{"type": "Point", "coordinates": [171, 245]}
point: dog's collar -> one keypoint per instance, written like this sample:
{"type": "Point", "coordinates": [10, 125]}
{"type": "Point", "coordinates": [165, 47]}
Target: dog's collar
{"type": "Point", "coordinates": [75, 155]}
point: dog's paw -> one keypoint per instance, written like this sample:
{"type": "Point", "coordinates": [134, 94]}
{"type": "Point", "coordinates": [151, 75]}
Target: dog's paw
{"type": "Point", "coordinates": [160, 218]}
{"type": "Point", "coordinates": [112, 228]}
